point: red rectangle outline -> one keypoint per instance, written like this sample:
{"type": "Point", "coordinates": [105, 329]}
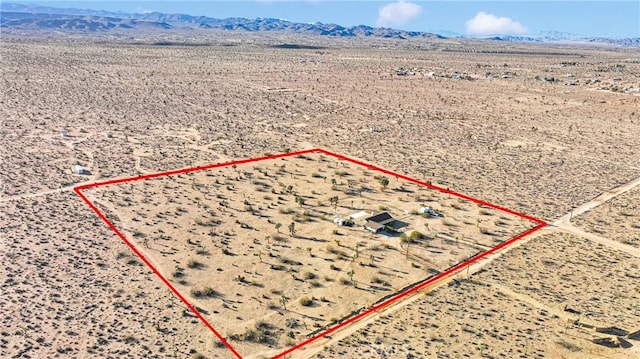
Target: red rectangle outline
{"type": "Point", "coordinates": [78, 190]}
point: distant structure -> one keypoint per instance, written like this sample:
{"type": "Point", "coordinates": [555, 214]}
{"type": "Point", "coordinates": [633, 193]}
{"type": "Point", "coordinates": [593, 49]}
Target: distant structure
{"type": "Point", "coordinates": [430, 212]}
{"type": "Point", "coordinates": [343, 222]}
{"type": "Point", "coordinates": [77, 169]}
{"type": "Point", "coordinates": [378, 222]}
{"type": "Point", "coordinates": [64, 133]}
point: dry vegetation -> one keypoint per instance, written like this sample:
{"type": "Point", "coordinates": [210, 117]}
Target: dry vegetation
{"type": "Point", "coordinates": [476, 117]}
{"type": "Point", "coordinates": [529, 304]}
{"type": "Point", "coordinates": [254, 246]}
{"type": "Point", "coordinates": [618, 219]}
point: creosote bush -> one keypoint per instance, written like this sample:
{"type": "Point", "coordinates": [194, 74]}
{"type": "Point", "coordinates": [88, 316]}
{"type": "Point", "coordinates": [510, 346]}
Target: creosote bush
{"type": "Point", "coordinates": [306, 301]}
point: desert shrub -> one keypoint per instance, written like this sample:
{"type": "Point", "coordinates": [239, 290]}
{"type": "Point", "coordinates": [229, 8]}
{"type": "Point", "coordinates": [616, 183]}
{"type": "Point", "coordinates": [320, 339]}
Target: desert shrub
{"type": "Point", "coordinates": [209, 292]}
{"type": "Point", "coordinates": [290, 261]}
{"type": "Point", "coordinates": [306, 301]}
{"type": "Point", "coordinates": [196, 293]}
{"type": "Point", "coordinates": [416, 236]}
{"type": "Point", "coordinates": [194, 264]}
{"type": "Point", "coordinates": [310, 275]}
{"type": "Point", "coordinates": [277, 267]}
{"type": "Point", "coordinates": [178, 273]}
{"type": "Point", "coordinates": [286, 210]}
{"type": "Point", "coordinates": [486, 212]}
{"type": "Point", "coordinates": [378, 280]}
{"type": "Point", "coordinates": [486, 231]}
{"type": "Point", "coordinates": [261, 333]}
{"type": "Point", "coordinates": [202, 252]}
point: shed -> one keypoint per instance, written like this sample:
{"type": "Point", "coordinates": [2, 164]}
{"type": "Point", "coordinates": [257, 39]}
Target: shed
{"type": "Point", "coordinates": [64, 133]}
{"type": "Point", "coordinates": [77, 169]}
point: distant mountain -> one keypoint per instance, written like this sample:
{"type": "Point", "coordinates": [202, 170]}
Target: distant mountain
{"type": "Point", "coordinates": [22, 20]}
{"type": "Point", "coordinates": [563, 37]}
{"type": "Point", "coordinates": [19, 16]}
{"type": "Point", "coordinates": [34, 17]}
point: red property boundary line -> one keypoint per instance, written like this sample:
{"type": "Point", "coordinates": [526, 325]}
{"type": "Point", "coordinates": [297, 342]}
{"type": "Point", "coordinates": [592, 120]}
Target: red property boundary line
{"type": "Point", "coordinates": [352, 319]}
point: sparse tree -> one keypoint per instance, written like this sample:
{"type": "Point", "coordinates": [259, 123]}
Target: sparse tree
{"type": "Point", "coordinates": [384, 182]}
{"type": "Point", "coordinates": [292, 228]}
{"type": "Point", "coordinates": [283, 301]}
{"type": "Point", "coordinates": [350, 273]}
{"type": "Point", "coordinates": [334, 201]}
{"type": "Point", "coordinates": [278, 226]}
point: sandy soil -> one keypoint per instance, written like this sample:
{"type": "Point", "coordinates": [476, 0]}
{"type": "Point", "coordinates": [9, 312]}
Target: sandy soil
{"type": "Point", "coordinates": [226, 232]}
{"type": "Point", "coordinates": [618, 219]}
{"type": "Point", "coordinates": [545, 310]}
{"type": "Point", "coordinates": [475, 117]}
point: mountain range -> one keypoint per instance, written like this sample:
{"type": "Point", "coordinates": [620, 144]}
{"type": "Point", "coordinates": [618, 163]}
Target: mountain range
{"type": "Point", "coordinates": [34, 17]}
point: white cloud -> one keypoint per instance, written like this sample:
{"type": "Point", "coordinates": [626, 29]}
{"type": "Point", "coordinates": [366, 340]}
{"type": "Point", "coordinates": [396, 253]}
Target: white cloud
{"type": "Point", "coordinates": [488, 24]}
{"type": "Point", "coordinates": [143, 10]}
{"type": "Point", "coordinates": [397, 13]}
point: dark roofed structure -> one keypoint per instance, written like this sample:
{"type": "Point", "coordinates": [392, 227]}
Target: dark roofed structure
{"type": "Point", "coordinates": [378, 222]}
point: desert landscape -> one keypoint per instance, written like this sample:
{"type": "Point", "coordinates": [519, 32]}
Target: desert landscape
{"type": "Point", "coordinates": [547, 130]}
{"type": "Point", "coordinates": [290, 242]}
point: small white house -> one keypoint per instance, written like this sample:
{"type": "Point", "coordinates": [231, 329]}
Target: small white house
{"type": "Point", "coordinates": [424, 210]}
{"type": "Point", "coordinates": [77, 169]}
{"type": "Point", "coordinates": [64, 133]}
{"type": "Point", "coordinates": [339, 221]}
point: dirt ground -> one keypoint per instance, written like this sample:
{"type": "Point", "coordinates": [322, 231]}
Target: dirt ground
{"type": "Point", "coordinates": [618, 219]}
{"type": "Point", "coordinates": [550, 307]}
{"type": "Point", "coordinates": [224, 236]}
{"type": "Point", "coordinates": [477, 117]}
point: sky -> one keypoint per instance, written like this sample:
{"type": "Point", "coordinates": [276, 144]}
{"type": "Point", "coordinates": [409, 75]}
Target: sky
{"type": "Point", "coordinates": [470, 17]}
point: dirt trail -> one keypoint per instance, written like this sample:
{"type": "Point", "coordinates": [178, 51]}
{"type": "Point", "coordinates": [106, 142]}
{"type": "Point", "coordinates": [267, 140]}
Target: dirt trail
{"type": "Point", "coordinates": [564, 222]}
{"type": "Point", "coordinates": [566, 316]}
{"type": "Point", "coordinates": [42, 193]}
{"type": "Point", "coordinates": [602, 198]}
{"type": "Point", "coordinates": [595, 238]}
